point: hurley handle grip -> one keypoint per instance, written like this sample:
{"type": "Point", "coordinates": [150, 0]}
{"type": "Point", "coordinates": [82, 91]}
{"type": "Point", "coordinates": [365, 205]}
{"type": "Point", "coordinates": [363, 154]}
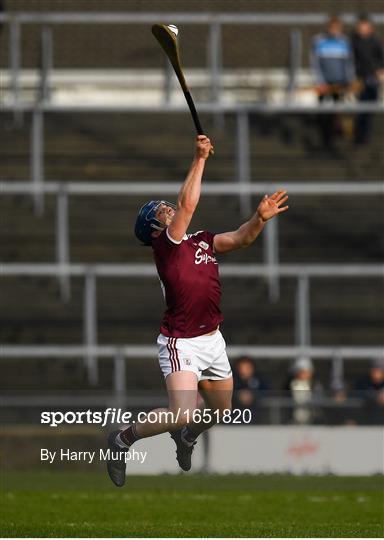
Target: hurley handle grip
{"type": "Point", "coordinates": [195, 117]}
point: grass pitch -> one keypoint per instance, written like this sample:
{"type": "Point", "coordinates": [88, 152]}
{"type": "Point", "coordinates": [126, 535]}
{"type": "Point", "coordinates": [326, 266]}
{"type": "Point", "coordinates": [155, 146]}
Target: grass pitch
{"type": "Point", "coordinates": [56, 504]}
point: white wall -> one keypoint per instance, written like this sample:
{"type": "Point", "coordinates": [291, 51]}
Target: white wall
{"type": "Point", "coordinates": [280, 449]}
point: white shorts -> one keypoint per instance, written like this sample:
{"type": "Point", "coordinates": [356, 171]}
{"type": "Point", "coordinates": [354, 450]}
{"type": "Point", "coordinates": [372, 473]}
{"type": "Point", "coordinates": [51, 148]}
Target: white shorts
{"type": "Point", "coordinates": [204, 355]}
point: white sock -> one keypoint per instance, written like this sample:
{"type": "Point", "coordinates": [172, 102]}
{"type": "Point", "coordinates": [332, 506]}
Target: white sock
{"type": "Point", "coordinates": [120, 442]}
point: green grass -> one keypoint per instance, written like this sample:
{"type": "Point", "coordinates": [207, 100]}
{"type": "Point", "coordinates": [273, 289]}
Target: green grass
{"type": "Point", "coordinates": [48, 504]}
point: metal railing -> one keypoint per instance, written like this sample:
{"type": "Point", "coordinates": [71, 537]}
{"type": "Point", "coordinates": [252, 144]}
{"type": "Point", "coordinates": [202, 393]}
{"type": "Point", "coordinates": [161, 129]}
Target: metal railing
{"type": "Point", "coordinates": [272, 271]}
{"type": "Point", "coordinates": [63, 190]}
{"type": "Point", "coordinates": [122, 397]}
{"type": "Point", "coordinates": [91, 350]}
{"type": "Point", "coordinates": [215, 22]}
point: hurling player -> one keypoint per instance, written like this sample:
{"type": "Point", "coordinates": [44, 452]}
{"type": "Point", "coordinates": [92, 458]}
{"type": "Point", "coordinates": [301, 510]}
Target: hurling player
{"type": "Point", "coordinates": [192, 352]}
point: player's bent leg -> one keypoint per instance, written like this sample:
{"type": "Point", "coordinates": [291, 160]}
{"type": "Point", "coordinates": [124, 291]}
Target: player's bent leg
{"type": "Point", "coordinates": [217, 395]}
{"type": "Point", "coordinates": [183, 400]}
{"type": "Point", "coordinates": [182, 392]}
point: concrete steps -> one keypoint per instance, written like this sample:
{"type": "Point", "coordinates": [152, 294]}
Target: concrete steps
{"type": "Point", "coordinates": [135, 147]}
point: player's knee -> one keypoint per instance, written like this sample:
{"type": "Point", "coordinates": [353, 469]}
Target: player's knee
{"type": "Point", "coordinates": [181, 418]}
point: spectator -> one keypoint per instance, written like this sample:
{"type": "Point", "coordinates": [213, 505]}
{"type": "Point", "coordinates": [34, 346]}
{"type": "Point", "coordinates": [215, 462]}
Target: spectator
{"type": "Point", "coordinates": [369, 61]}
{"type": "Point", "coordinates": [249, 385]}
{"type": "Point", "coordinates": [302, 388]}
{"type": "Point", "coordinates": [332, 63]}
{"type": "Point", "coordinates": [371, 387]}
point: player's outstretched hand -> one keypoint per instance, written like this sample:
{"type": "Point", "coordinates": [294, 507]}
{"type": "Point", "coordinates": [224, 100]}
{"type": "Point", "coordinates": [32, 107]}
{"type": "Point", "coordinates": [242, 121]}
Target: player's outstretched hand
{"type": "Point", "coordinates": [203, 147]}
{"type": "Point", "coordinates": [272, 205]}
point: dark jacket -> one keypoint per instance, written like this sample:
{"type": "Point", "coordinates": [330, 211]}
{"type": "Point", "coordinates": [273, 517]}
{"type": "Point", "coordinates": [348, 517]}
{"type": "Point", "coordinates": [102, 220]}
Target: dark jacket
{"type": "Point", "coordinates": [255, 383]}
{"type": "Point", "coordinates": [368, 54]}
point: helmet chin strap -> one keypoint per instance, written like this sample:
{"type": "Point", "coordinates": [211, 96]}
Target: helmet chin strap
{"type": "Point", "coordinates": [158, 227]}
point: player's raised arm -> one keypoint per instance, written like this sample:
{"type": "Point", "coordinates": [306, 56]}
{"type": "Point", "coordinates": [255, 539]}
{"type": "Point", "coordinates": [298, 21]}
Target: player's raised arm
{"type": "Point", "coordinates": [189, 194]}
{"type": "Point", "coordinates": [247, 233]}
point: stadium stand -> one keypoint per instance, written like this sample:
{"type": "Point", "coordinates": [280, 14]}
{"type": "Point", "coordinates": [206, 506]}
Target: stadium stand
{"type": "Point", "coordinates": [94, 46]}
{"type": "Point", "coordinates": [124, 147]}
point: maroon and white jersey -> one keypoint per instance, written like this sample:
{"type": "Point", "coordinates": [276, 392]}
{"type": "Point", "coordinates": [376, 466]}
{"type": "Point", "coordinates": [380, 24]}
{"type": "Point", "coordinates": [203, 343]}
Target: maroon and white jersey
{"type": "Point", "coordinates": [189, 276]}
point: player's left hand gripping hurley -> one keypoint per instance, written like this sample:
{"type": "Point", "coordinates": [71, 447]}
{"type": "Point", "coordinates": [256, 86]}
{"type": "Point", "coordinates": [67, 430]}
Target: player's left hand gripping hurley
{"type": "Point", "coordinates": [167, 37]}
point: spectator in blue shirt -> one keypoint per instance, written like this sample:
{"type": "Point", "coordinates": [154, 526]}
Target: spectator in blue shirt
{"type": "Point", "coordinates": [333, 67]}
{"type": "Point", "coordinates": [332, 56]}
